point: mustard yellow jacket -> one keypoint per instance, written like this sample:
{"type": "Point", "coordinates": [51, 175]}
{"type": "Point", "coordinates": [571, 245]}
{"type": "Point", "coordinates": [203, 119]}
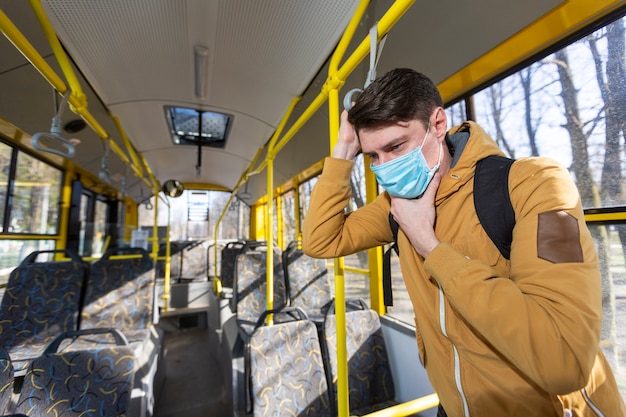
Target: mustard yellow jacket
{"type": "Point", "coordinates": [497, 337]}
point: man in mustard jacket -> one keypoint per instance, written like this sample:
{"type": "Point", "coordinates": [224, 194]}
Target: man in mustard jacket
{"type": "Point", "coordinates": [498, 337]}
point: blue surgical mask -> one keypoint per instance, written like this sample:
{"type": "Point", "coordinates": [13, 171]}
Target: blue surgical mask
{"type": "Point", "coordinates": [408, 175]}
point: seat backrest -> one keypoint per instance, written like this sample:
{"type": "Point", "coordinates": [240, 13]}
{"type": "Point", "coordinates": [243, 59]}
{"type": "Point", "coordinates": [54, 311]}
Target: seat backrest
{"type": "Point", "coordinates": [6, 382]}
{"type": "Point", "coordinates": [250, 285]}
{"type": "Point", "coordinates": [227, 262]}
{"type": "Point", "coordinates": [41, 300]}
{"type": "Point", "coordinates": [194, 260]}
{"type": "Point", "coordinates": [308, 282]}
{"type": "Point", "coordinates": [370, 380]}
{"type": "Point", "coordinates": [286, 371]}
{"type": "Point", "coordinates": [79, 383]}
{"type": "Point", "coordinates": [119, 293]}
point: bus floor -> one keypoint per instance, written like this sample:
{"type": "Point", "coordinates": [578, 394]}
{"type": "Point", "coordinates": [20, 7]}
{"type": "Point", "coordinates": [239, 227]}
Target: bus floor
{"type": "Point", "coordinates": [193, 382]}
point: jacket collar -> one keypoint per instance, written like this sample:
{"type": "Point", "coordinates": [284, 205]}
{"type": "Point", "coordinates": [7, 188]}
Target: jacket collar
{"type": "Point", "coordinates": [468, 143]}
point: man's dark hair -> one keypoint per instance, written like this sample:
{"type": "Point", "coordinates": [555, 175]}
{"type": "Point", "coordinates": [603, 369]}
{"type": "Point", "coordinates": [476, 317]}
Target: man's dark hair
{"type": "Point", "coordinates": [401, 94]}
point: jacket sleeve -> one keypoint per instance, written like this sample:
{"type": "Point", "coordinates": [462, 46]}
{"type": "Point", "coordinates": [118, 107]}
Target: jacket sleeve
{"type": "Point", "coordinates": [328, 231]}
{"type": "Point", "coordinates": [545, 319]}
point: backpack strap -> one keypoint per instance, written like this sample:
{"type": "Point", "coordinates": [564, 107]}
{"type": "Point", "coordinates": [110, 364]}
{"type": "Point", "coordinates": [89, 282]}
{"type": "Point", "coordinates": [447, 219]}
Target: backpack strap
{"type": "Point", "coordinates": [387, 291]}
{"type": "Point", "coordinates": [493, 202]}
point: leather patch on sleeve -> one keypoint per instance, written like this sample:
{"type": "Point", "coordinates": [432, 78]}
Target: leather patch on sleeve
{"type": "Point", "coordinates": [558, 237]}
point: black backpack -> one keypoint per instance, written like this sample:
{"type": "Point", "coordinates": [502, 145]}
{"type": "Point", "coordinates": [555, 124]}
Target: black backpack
{"type": "Point", "coordinates": [493, 208]}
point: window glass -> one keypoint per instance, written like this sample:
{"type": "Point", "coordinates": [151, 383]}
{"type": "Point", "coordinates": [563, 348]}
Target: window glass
{"type": "Point", "coordinates": [456, 114]}
{"type": "Point", "coordinates": [568, 106]}
{"type": "Point", "coordinates": [85, 226]}
{"type": "Point", "coordinates": [612, 252]}
{"type": "Point", "coordinates": [192, 126]}
{"type": "Point", "coordinates": [233, 226]}
{"type": "Point", "coordinates": [305, 195]}
{"type": "Point", "coordinates": [289, 216]}
{"type": "Point", "coordinates": [13, 252]}
{"type": "Point", "coordinates": [5, 166]}
{"type": "Point", "coordinates": [36, 196]}
{"type": "Point", "coordinates": [99, 228]}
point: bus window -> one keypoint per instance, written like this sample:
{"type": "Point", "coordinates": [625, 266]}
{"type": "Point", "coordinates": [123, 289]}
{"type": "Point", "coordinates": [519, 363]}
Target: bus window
{"type": "Point", "coordinates": [234, 225]}
{"type": "Point", "coordinates": [5, 163]}
{"type": "Point", "coordinates": [36, 192]}
{"type": "Point", "coordinates": [13, 252]}
{"type": "Point", "coordinates": [288, 218]}
{"type": "Point", "coordinates": [99, 228]}
{"type": "Point", "coordinates": [560, 107]}
{"type": "Point", "coordinates": [456, 113]}
{"type": "Point", "coordinates": [305, 194]}
{"type": "Point", "coordinates": [613, 269]}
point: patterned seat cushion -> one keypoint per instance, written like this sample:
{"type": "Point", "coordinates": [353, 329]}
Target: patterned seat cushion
{"type": "Point", "coordinates": [6, 381]}
{"type": "Point", "coordinates": [79, 383]}
{"type": "Point", "coordinates": [308, 282]}
{"type": "Point", "coordinates": [40, 302]}
{"type": "Point", "coordinates": [119, 294]}
{"type": "Point", "coordinates": [250, 288]}
{"type": "Point", "coordinates": [287, 371]}
{"type": "Point", "coordinates": [369, 374]}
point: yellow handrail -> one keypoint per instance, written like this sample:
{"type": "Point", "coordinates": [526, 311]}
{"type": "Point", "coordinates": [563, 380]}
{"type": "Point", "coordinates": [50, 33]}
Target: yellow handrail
{"type": "Point", "coordinates": [77, 99]}
{"type": "Point", "coordinates": [408, 408]}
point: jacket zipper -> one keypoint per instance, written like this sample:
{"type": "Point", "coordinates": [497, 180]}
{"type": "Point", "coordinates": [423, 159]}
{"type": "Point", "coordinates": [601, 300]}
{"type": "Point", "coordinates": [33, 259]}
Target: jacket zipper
{"type": "Point", "coordinates": [457, 360]}
{"type": "Point", "coordinates": [591, 404]}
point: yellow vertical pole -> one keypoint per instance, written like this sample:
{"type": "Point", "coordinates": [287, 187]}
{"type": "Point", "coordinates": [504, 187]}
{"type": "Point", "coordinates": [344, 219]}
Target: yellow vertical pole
{"type": "Point", "coordinates": [66, 203]}
{"type": "Point", "coordinates": [374, 255]}
{"type": "Point", "coordinates": [155, 251]}
{"type": "Point", "coordinates": [270, 237]}
{"type": "Point", "coordinates": [343, 405]}
{"type": "Point", "coordinates": [334, 84]}
{"type": "Point", "coordinates": [167, 280]}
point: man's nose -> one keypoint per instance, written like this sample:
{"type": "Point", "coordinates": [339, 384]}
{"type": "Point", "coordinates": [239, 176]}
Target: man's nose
{"type": "Point", "coordinates": [383, 158]}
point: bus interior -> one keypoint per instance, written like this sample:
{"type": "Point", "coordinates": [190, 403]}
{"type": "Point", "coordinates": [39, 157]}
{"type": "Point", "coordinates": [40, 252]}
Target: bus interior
{"type": "Point", "coordinates": [157, 158]}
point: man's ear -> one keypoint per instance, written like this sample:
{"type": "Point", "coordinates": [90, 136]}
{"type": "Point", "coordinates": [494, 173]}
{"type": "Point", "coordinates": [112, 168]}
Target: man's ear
{"type": "Point", "coordinates": [440, 123]}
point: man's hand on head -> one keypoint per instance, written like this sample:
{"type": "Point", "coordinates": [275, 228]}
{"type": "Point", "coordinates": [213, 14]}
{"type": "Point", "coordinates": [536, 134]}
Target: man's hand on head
{"type": "Point", "coordinates": [348, 145]}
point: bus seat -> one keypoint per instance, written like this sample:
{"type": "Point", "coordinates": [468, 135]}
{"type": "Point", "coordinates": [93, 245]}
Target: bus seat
{"type": "Point", "coordinates": [77, 383]}
{"type": "Point", "coordinates": [307, 281]}
{"type": "Point", "coordinates": [285, 368]}
{"type": "Point", "coordinates": [40, 302]}
{"type": "Point", "coordinates": [227, 262]}
{"type": "Point", "coordinates": [370, 381]}
{"type": "Point", "coordinates": [119, 293]}
{"type": "Point", "coordinates": [6, 382]}
{"type": "Point", "coordinates": [249, 293]}
{"type": "Point", "coordinates": [193, 260]}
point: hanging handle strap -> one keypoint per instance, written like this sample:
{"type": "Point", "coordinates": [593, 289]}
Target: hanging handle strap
{"type": "Point", "coordinates": [375, 50]}
{"type": "Point", "coordinates": [54, 136]}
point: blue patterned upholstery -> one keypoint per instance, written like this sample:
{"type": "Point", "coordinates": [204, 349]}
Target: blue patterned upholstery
{"type": "Point", "coordinates": [369, 375]}
{"type": "Point", "coordinates": [6, 381]}
{"type": "Point", "coordinates": [194, 260]}
{"type": "Point", "coordinates": [41, 301]}
{"type": "Point", "coordinates": [120, 295]}
{"type": "Point", "coordinates": [94, 383]}
{"type": "Point", "coordinates": [287, 371]}
{"type": "Point", "coordinates": [308, 283]}
{"type": "Point", "coordinates": [119, 292]}
{"type": "Point", "coordinates": [250, 294]}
